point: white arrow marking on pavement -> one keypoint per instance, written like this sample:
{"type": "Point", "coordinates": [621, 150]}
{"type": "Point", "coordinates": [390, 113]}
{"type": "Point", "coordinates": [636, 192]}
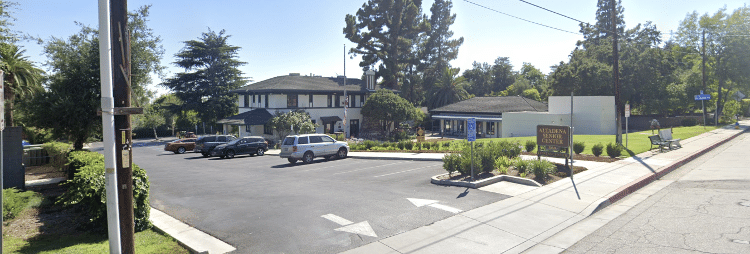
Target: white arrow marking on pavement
{"type": "Point", "coordinates": [362, 228]}
{"type": "Point", "coordinates": [433, 203]}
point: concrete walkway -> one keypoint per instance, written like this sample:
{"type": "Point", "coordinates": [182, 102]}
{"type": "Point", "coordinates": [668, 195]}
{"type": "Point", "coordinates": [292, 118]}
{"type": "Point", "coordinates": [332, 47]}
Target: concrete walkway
{"type": "Point", "coordinates": [518, 224]}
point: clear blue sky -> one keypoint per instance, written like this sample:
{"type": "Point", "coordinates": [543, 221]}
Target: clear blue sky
{"type": "Point", "coordinates": [280, 37]}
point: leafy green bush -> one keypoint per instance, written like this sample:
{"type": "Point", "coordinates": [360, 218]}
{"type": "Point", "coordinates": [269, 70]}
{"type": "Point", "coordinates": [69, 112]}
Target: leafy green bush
{"type": "Point", "coordinates": [597, 149]}
{"type": "Point", "coordinates": [522, 165]}
{"type": "Point", "coordinates": [37, 135]}
{"type": "Point", "coordinates": [370, 144]}
{"type": "Point", "coordinates": [340, 137]}
{"type": "Point", "coordinates": [408, 145]}
{"type": "Point", "coordinates": [614, 150]}
{"type": "Point", "coordinates": [15, 201]}
{"type": "Point", "coordinates": [58, 151]}
{"type": "Point", "coordinates": [87, 191]}
{"type": "Point", "coordinates": [502, 163]}
{"type": "Point", "coordinates": [427, 145]}
{"type": "Point", "coordinates": [451, 162]}
{"type": "Point", "coordinates": [400, 136]}
{"type": "Point", "coordinates": [530, 145]}
{"type": "Point", "coordinates": [541, 168]}
{"type": "Point", "coordinates": [689, 122]}
{"type": "Point", "coordinates": [466, 162]}
{"type": "Point", "coordinates": [578, 147]}
{"type": "Point", "coordinates": [400, 145]}
{"type": "Point", "coordinates": [386, 144]}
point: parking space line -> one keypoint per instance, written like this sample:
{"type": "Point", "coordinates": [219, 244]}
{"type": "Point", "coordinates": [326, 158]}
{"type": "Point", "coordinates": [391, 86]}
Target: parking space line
{"type": "Point", "coordinates": [335, 165]}
{"type": "Point", "coordinates": [406, 171]}
{"type": "Point", "coordinates": [367, 168]}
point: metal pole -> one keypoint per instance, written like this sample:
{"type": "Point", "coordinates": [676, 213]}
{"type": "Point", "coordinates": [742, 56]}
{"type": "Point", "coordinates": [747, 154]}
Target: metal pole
{"type": "Point", "coordinates": [472, 161]}
{"type": "Point", "coordinates": [2, 151]}
{"type": "Point", "coordinates": [704, 114]}
{"type": "Point", "coordinates": [570, 145]}
{"type": "Point", "coordinates": [123, 139]}
{"type": "Point", "coordinates": [108, 128]}
{"type": "Point", "coordinates": [626, 132]}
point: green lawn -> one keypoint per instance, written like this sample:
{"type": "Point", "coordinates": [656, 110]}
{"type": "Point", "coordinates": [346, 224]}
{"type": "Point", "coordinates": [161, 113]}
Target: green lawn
{"type": "Point", "coordinates": [148, 241]}
{"type": "Point", "coordinates": [638, 142]}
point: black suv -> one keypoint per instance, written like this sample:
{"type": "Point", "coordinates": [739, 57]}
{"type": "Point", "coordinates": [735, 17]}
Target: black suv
{"type": "Point", "coordinates": [205, 144]}
{"type": "Point", "coordinates": [245, 145]}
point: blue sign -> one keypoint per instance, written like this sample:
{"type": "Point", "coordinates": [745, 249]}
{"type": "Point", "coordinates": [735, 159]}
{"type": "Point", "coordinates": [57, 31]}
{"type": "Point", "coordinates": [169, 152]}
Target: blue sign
{"type": "Point", "coordinates": [471, 126]}
{"type": "Point", "coordinates": [702, 97]}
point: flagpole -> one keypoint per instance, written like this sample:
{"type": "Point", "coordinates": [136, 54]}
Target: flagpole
{"type": "Point", "coordinates": [346, 97]}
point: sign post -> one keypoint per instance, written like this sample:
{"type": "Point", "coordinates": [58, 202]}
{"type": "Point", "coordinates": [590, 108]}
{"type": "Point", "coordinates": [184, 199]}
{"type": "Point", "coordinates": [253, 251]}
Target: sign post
{"type": "Point", "coordinates": [471, 136]}
{"type": "Point", "coordinates": [553, 141]}
{"type": "Point", "coordinates": [703, 97]}
{"type": "Point", "coordinates": [627, 115]}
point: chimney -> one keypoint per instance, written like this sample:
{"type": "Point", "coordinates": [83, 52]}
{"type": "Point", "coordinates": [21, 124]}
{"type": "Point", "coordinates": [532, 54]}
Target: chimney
{"type": "Point", "coordinates": [294, 74]}
{"type": "Point", "coordinates": [370, 80]}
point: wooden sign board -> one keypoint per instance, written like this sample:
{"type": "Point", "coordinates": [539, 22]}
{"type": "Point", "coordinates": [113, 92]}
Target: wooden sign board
{"type": "Point", "coordinates": [553, 140]}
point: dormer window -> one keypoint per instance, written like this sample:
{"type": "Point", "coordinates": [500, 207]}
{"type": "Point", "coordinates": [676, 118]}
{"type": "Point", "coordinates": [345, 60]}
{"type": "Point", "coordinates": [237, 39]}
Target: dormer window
{"type": "Point", "coordinates": [370, 80]}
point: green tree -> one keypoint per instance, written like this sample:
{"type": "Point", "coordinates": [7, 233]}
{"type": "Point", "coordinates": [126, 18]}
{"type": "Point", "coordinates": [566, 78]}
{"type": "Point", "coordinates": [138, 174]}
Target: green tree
{"type": "Point", "coordinates": [146, 54]}
{"type": "Point", "coordinates": [211, 71]}
{"type": "Point", "coordinates": [152, 118]}
{"type": "Point", "coordinates": [388, 109]}
{"type": "Point", "coordinates": [440, 48]}
{"type": "Point", "coordinates": [485, 79]}
{"type": "Point", "coordinates": [21, 77]}
{"type": "Point", "coordinates": [73, 96]}
{"type": "Point", "coordinates": [385, 32]}
{"type": "Point", "coordinates": [448, 89]}
{"type": "Point", "coordinates": [6, 35]}
{"type": "Point", "coordinates": [293, 121]}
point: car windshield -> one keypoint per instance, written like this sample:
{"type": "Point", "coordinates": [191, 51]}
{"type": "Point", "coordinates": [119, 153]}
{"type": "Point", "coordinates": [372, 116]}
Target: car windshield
{"type": "Point", "coordinates": [288, 141]}
{"type": "Point", "coordinates": [234, 141]}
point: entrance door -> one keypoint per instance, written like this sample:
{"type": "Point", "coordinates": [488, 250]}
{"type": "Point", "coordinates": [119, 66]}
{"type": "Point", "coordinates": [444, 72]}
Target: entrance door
{"type": "Point", "coordinates": [354, 127]}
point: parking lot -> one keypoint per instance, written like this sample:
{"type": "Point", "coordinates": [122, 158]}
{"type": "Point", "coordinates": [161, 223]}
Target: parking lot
{"type": "Point", "coordinates": [263, 204]}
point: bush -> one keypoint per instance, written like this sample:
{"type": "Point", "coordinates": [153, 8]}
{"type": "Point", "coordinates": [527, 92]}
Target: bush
{"type": "Point", "coordinates": [521, 165]}
{"type": "Point", "coordinates": [541, 168]}
{"type": "Point", "coordinates": [451, 162]}
{"type": "Point", "coordinates": [15, 201]}
{"type": "Point", "coordinates": [530, 145]}
{"type": "Point", "coordinates": [427, 145]}
{"type": "Point", "coordinates": [87, 191]}
{"type": "Point", "coordinates": [689, 122]}
{"type": "Point", "coordinates": [408, 145]}
{"type": "Point", "coordinates": [400, 145]}
{"type": "Point", "coordinates": [386, 144]}
{"type": "Point", "coordinates": [400, 136]}
{"type": "Point", "coordinates": [340, 137]}
{"type": "Point", "coordinates": [578, 147]}
{"type": "Point", "coordinates": [502, 163]}
{"type": "Point", "coordinates": [58, 151]}
{"type": "Point", "coordinates": [614, 150]}
{"type": "Point", "coordinates": [597, 149]}
{"type": "Point", "coordinates": [369, 144]}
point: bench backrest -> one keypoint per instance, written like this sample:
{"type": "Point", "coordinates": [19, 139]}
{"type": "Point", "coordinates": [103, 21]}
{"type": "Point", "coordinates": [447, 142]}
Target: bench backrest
{"type": "Point", "coordinates": [655, 139]}
{"type": "Point", "coordinates": [665, 134]}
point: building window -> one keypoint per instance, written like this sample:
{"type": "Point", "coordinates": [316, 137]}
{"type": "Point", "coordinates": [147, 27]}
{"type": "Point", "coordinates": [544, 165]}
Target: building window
{"type": "Point", "coordinates": [330, 101]}
{"type": "Point", "coordinates": [361, 100]}
{"type": "Point", "coordinates": [338, 100]}
{"type": "Point", "coordinates": [266, 100]}
{"type": "Point", "coordinates": [490, 128]}
{"type": "Point", "coordinates": [268, 129]}
{"type": "Point", "coordinates": [247, 128]}
{"type": "Point", "coordinates": [246, 98]}
{"type": "Point", "coordinates": [253, 98]}
{"type": "Point", "coordinates": [291, 100]}
{"type": "Point", "coordinates": [311, 100]}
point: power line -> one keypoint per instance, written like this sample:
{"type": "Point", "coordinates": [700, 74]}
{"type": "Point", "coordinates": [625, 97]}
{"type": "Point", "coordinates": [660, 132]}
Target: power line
{"type": "Point", "coordinates": [536, 23]}
{"type": "Point", "coordinates": [552, 11]}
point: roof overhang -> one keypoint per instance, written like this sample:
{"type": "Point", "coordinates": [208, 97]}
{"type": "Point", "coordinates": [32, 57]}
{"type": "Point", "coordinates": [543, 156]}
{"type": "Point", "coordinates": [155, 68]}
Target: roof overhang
{"type": "Point", "coordinates": [478, 118]}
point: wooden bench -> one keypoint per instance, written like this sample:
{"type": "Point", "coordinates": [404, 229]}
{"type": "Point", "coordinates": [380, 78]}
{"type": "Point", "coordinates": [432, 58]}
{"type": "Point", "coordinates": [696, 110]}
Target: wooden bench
{"type": "Point", "coordinates": [666, 136]}
{"type": "Point", "coordinates": [656, 141]}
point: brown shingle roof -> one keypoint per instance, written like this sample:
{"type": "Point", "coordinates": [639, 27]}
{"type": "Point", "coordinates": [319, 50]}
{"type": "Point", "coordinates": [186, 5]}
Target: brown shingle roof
{"type": "Point", "coordinates": [493, 105]}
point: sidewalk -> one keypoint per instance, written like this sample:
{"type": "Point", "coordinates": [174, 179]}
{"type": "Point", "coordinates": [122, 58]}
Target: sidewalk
{"type": "Point", "coordinates": [519, 223]}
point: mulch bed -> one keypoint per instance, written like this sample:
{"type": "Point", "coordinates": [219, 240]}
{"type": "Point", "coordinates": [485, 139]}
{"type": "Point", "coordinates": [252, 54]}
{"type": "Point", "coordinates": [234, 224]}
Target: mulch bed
{"type": "Point", "coordinates": [562, 172]}
{"type": "Point", "coordinates": [42, 172]}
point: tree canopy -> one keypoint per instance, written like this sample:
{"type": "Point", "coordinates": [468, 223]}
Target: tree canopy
{"type": "Point", "coordinates": [387, 108]}
{"type": "Point", "coordinates": [291, 122]}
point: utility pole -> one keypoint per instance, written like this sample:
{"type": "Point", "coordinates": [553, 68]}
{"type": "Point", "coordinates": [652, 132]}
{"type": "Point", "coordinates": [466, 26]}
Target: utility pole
{"type": "Point", "coordinates": [703, 69]}
{"type": "Point", "coordinates": [123, 134]}
{"type": "Point", "coordinates": [616, 71]}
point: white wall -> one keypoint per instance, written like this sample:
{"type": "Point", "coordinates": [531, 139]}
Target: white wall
{"type": "Point", "coordinates": [592, 115]}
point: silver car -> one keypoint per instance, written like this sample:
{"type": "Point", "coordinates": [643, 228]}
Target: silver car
{"type": "Point", "coordinates": [308, 146]}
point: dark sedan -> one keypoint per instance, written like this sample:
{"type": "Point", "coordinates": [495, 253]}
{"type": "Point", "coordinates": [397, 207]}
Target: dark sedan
{"type": "Point", "coordinates": [247, 145]}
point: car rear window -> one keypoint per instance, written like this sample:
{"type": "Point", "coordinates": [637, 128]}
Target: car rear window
{"type": "Point", "coordinates": [288, 141]}
{"type": "Point", "coordinates": [302, 140]}
{"type": "Point", "coordinates": [208, 139]}
{"type": "Point", "coordinates": [221, 139]}
{"type": "Point", "coordinates": [315, 139]}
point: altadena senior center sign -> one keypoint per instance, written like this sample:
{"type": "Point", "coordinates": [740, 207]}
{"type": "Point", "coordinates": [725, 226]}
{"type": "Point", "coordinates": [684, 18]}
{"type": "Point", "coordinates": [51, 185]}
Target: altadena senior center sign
{"type": "Point", "coordinates": [553, 140]}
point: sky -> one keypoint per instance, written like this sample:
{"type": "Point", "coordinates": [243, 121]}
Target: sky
{"type": "Point", "coordinates": [282, 37]}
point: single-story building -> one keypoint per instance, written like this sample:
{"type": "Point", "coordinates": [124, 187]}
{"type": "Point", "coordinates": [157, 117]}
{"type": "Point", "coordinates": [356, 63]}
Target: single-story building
{"type": "Point", "coordinates": [488, 111]}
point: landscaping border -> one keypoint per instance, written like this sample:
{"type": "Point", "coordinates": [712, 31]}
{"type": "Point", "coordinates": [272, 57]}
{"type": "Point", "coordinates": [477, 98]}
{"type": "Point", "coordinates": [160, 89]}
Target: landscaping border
{"type": "Point", "coordinates": [485, 182]}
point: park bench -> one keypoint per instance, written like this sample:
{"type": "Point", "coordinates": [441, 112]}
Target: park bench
{"type": "Point", "coordinates": [666, 136]}
{"type": "Point", "coordinates": [657, 141]}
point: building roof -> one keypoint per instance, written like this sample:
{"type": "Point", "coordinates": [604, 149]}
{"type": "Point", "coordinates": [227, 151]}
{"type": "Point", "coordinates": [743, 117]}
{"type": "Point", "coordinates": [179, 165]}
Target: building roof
{"type": "Point", "coordinates": [295, 83]}
{"type": "Point", "coordinates": [257, 116]}
{"type": "Point", "coordinates": [492, 105]}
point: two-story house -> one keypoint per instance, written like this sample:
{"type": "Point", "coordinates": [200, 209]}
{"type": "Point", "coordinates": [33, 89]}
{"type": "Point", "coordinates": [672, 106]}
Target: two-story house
{"type": "Point", "coordinates": [322, 97]}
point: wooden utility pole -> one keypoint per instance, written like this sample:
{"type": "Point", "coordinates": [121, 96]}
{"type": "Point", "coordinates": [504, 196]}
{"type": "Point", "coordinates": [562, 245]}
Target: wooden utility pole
{"type": "Point", "coordinates": [616, 72]}
{"type": "Point", "coordinates": [123, 139]}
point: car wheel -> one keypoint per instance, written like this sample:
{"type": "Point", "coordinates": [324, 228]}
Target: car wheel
{"type": "Point", "coordinates": [222, 157]}
{"type": "Point", "coordinates": [342, 153]}
{"type": "Point", "coordinates": [308, 157]}
{"type": "Point", "coordinates": [327, 157]}
{"type": "Point", "coordinates": [205, 155]}
{"type": "Point", "coordinates": [181, 150]}
{"type": "Point", "coordinates": [292, 160]}
{"type": "Point", "coordinates": [230, 154]}
{"type": "Point", "coordinates": [260, 152]}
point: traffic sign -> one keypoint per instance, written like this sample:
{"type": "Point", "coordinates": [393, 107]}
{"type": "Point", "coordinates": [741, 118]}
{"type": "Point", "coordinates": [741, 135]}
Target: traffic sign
{"type": "Point", "coordinates": [702, 97]}
{"type": "Point", "coordinates": [627, 110]}
{"type": "Point", "coordinates": [471, 129]}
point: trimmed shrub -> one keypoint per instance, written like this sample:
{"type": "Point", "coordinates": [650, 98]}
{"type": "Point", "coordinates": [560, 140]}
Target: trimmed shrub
{"type": "Point", "coordinates": [530, 145]}
{"type": "Point", "coordinates": [614, 150]}
{"type": "Point", "coordinates": [369, 144]}
{"type": "Point", "coordinates": [340, 137]}
{"type": "Point", "coordinates": [578, 147]}
{"type": "Point", "coordinates": [689, 122]}
{"type": "Point", "coordinates": [408, 145]}
{"type": "Point", "coordinates": [465, 168]}
{"type": "Point", "coordinates": [427, 145]}
{"type": "Point", "coordinates": [400, 145]}
{"type": "Point", "coordinates": [386, 144]}
{"type": "Point", "coordinates": [87, 191]}
{"type": "Point", "coordinates": [15, 201]}
{"type": "Point", "coordinates": [502, 163]}
{"type": "Point", "coordinates": [58, 152]}
{"type": "Point", "coordinates": [521, 165]}
{"type": "Point", "coordinates": [541, 168]}
{"type": "Point", "coordinates": [451, 162]}
{"type": "Point", "coordinates": [597, 149]}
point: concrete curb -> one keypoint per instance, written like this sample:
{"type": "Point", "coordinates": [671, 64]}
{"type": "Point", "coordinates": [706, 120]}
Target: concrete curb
{"type": "Point", "coordinates": [645, 180]}
{"type": "Point", "coordinates": [189, 237]}
{"type": "Point", "coordinates": [485, 182]}
{"type": "Point", "coordinates": [394, 158]}
{"type": "Point", "coordinates": [39, 182]}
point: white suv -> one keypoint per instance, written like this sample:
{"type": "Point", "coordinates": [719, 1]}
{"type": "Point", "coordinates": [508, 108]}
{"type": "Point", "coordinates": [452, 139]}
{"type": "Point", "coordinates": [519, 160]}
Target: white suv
{"type": "Point", "coordinates": [308, 146]}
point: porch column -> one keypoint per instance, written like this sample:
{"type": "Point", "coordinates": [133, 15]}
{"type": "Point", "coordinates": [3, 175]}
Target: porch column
{"type": "Point", "coordinates": [442, 128]}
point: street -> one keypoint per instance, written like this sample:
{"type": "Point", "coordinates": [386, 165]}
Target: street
{"type": "Point", "coordinates": [263, 204]}
{"type": "Point", "coordinates": [704, 208]}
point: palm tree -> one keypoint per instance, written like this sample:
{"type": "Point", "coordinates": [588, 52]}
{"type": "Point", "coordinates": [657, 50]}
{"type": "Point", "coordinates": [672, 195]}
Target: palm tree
{"type": "Point", "coordinates": [22, 78]}
{"type": "Point", "coordinates": [448, 89]}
